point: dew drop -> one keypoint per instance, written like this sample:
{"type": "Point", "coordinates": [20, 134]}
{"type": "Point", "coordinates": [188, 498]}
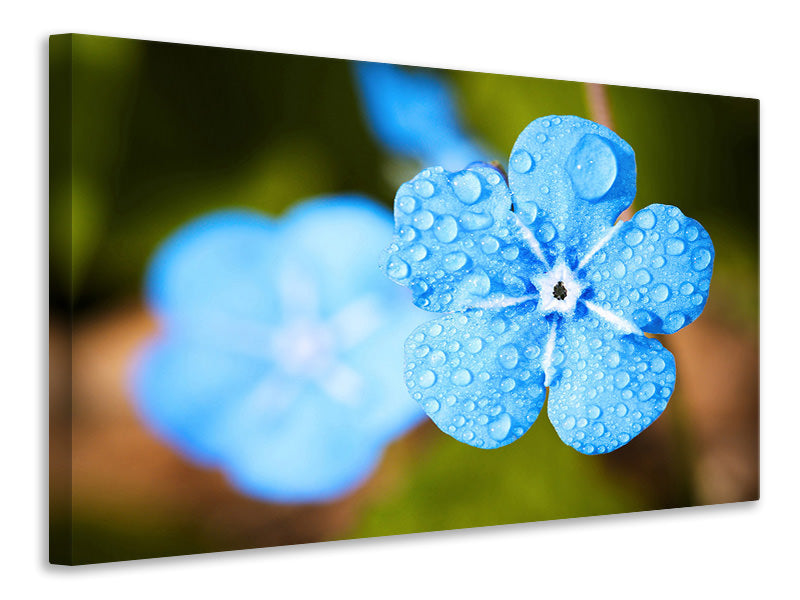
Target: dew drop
{"type": "Point", "coordinates": [498, 430]}
{"type": "Point", "coordinates": [659, 293]}
{"type": "Point", "coordinates": [426, 378]}
{"type": "Point", "coordinates": [474, 345]}
{"type": "Point", "coordinates": [407, 204]}
{"type": "Point", "coordinates": [437, 358]}
{"type": "Point", "coordinates": [647, 390]}
{"type": "Point", "coordinates": [397, 268]}
{"type": "Point", "coordinates": [546, 232]}
{"type": "Point", "coordinates": [642, 277]}
{"type": "Point", "coordinates": [612, 358]}
{"type": "Point", "coordinates": [634, 237]}
{"type": "Point", "coordinates": [462, 377]}
{"type": "Point", "coordinates": [569, 423]}
{"type": "Point", "coordinates": [424, 188]}
{"type": "Point", "coordinates": [446, 229]}
{"type": "Point", "coordinates": [645, 219]}
{"type": "Point", "coordinates": [508, 384]}
{"type": "Point", "coordinates": [593, 411]}
{"type": "Point", "coordinates": [417, 252]}
{"type": "Point", "coordinates": [467, 187]}
{"type": "Point", "coordinates": [674, 321]}
{"type": "Point", "coordinates": [592, 167]}
{"type": "Point", "coordinates": [508, 356]}
{"type": "Point", "coordinates": [619, 269]}
{"type": "Point", "coordinates": [521, 161]}
{"type": "Point", "coordinates": [700, 259]}
{"type": "Point", "coordinates": [430, 405]}
{"type": "Point", "coordinates": [454, 261]}
{"type": "Point", "coordinates": [541, 138]}
{"type": "Point", "coordinates": [674, 246]}
{"type": "Point", "coordinates": [658, 365]}
{"type": "Point", "coordinates": [622, 379]}
{"type": "Point", "coordinates": [472, 221]}
{"type": "Point", "coordinates": [477, 283]}
{"type": "Point", "coordinates": [422, 219]}
{"type": "Point", "coordinates": [489, 244]}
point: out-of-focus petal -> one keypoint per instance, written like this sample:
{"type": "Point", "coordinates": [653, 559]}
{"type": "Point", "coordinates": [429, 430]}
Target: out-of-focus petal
{"type": "Point", "coordinates": [413, 113]}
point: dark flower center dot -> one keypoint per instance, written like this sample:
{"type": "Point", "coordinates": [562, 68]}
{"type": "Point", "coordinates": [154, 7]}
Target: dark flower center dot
{"type": "Point", "coordinates": [559, 291]}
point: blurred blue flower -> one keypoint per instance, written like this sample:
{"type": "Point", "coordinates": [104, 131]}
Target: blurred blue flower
{"type": "Point", "coordinates": [545, 290]}
{"type": "Point", "coordinates": [280, 358]}
{"type": "Point", "coordinates": [413, 113]}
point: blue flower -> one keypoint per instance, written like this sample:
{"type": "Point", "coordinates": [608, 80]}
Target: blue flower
{"type": "Point", "coordinates": [545, 290]}
{"type": "Point", "coordinates": [414, 114]}
{"type": "Point", "coordinates": [280, 357]}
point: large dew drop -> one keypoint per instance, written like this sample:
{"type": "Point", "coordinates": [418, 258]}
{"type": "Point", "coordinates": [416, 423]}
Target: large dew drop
{"type": "Point", "coordinates": [592, 167]}
{"type": "Point", "coordinates": [467, 187]}
{"type": "Point", "coordinates": [498, 429]}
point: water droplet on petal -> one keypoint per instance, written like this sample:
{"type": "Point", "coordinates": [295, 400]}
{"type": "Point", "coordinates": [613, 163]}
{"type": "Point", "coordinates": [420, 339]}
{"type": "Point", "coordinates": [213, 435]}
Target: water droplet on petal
{"type": "Point", "coordinates": [462, 377]}
{"type": "Point", "coordinates": [508, 356]}
{"type": "Point", "coordinates": [472, 221]}
{"type": "Point", "coordinates": [642, 277]}
{"type": "Point", "coordinates": [592, 167]}
{"type": "Point", "coordinates": [477, 283]}
{"type": "Point", "coordinates": [659, 293]}
{"type": "Point", "coordinates": [430, 405]}
{"type": "Point", "coordinates": [446, 229]}
{"type": "Point", "coordinates": [674, 246]}
{"type": "Point", "coordinates": [426, 378]}
{"type": "Point", "coordinates": [397, 268]}
{"type": "Point", "coordinates": [467, 187]}
{"type": "Point", "coordinates": [700, 259]}
{"type": "Point", "coordinates": [417, 252]}
{"type": "Point", "coordinates": [647, 390]}
{"type": "Point", "coordinates": [454, 261]}
{"type": "Point", "coordinates": [521, 161]}
{"type": "Point", "coordinates": [634, 237]}
{"type": "Point", "coordinates": [424, 188]}
{"type": "Point", "coordinates": [622, 379]}
{"type": "Point", "coordinates": [422, 219]}
{"type": "Point", "coordinates": [645, 219]}
{"type": "Point", "coordinates": [437, 358]}
{"type": "Point", "coordinates": [407, 204]}
{"type": "Point", "coordinates": [474, 344]}
{"type": "Point", "coordinates": [498, 430]}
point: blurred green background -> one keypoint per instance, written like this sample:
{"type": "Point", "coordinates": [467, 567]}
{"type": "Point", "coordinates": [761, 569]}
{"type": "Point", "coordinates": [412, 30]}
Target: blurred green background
{"type": "Point", "coordinates": [145, 136]}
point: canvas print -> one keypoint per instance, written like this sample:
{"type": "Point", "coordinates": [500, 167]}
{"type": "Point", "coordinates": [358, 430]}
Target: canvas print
{"type": "Point", "coordinates": [299, 299]}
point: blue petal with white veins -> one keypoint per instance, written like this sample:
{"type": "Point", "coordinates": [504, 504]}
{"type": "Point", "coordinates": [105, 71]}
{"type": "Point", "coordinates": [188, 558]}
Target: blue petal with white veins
{"type": "Point", "coordinates": [573, 178]}
{"type": "Point", "coordinates": [608, 387]}
{"type": "Point", "coordinates": [655, 271]}
{"type": "Point", "coordinates": [477, 374]}
{"type": "Point", "coordinates": [457, 244]}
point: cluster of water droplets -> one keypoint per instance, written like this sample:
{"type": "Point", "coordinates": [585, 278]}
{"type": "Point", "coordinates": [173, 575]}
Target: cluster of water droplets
{"type": "Point", "coordinates": [609, 388]}
{"type": "Point", "coordinates": [656, 271]}
{"type": "Point", "coordinates": [477, 374]}
{"type": "Point", "coordinates": [455, 244]}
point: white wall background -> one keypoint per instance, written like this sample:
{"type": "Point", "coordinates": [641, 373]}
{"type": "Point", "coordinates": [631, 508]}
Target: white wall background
{"type": "Point", "coordinates": [732, 48]}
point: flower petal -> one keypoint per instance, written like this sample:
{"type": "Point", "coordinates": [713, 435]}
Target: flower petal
{"type": "Point", "coordinates": [457, 245]}
{"type": "Point", "coordinates": [414, 114]}
{"type": "Point", "coordinates": [184, 390]}
{"type": "Point", "coordinates": [317, 453]}
{"type": "Point", "coordinates": [216, 265]}
{"type": "Point", "coordinates": [477, 373]}
{"type": "Point", "coordinates": [573, 178]}
{"type": "Point", "coordinates": [655, 271]}
{"type": "Point", "coordinates": [608, 387]}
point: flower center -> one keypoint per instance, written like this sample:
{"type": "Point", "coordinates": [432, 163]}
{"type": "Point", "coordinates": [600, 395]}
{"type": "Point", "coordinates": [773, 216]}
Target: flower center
{"type": "Point", "coordinates": [559, 291]}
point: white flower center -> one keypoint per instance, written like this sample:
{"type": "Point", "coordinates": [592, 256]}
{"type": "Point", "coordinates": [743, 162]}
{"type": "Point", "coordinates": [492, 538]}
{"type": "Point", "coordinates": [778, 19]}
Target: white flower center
{"type": "Point", "coordinates": [558, 289]}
